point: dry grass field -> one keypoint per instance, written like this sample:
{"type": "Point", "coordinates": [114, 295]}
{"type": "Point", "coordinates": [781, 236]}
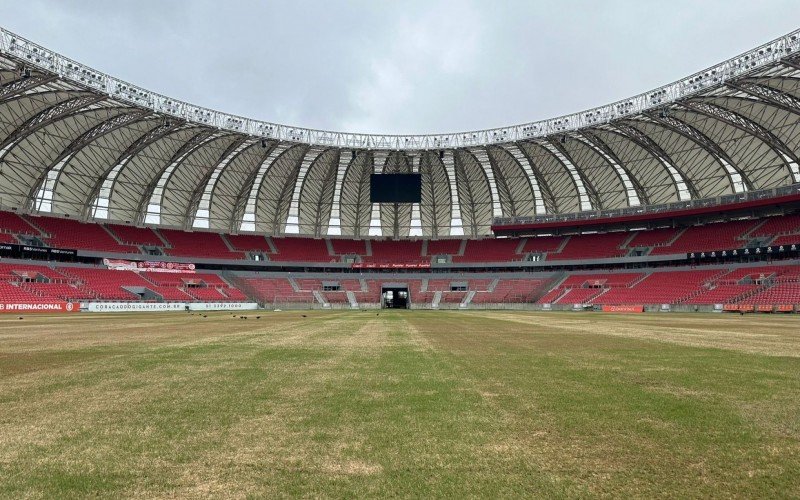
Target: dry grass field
{"type": "Point", "coordinates": [420, 404]}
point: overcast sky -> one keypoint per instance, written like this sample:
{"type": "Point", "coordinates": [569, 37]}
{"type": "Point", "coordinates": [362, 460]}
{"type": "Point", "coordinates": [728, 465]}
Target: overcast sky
{"type": "Point", "coordinates": [399, 67]}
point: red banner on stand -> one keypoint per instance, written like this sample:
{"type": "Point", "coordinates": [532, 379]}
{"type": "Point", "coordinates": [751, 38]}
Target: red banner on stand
{"type": "Point", "coordinates": [43, 307]}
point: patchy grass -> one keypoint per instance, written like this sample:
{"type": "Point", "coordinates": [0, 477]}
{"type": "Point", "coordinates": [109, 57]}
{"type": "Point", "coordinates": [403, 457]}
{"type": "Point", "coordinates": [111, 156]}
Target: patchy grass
{"type": "Point", "coordinates": [444, 404]}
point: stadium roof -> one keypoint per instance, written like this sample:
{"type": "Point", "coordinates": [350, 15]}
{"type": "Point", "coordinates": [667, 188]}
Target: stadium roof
{"type": "Point", "coordinates": [76, 142]}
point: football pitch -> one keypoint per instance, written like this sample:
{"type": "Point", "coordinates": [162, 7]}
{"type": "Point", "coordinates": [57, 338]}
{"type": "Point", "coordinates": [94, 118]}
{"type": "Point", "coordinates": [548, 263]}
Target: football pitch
{"type": "Point", "coordinates": [403, 403]}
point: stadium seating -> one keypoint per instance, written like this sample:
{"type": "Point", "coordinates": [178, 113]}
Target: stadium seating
{"type": "Point", "coordinates": [722, 294]}
{"type": "Point", "coordinates": [509, 291]}
{"type": "Point", "coordinates": [592, 246]}
{"type": "Point", "coordinates": [490, 250]}
{"type": "Point", "coordinates": [543, 244]}
{"type": "Point", "coordinates": [136, 236]}
{"type": "Point", "coordinates": [781, 293]}
{"type": "Point", "coordinates": [277, 290]}
{"type": "Point", "coordinates": [348, 247]}
{"type": "Point", "coordinates": [781, 225]}
{"type": "Point", "coordinates": [205, 245]}
{"type": "Point", "coordinates": [13, 223]}
{"type": "Point", "coordinates": [719, 236]}
{"type": "Point", "coordinates": [208, 294]}
{"type": "Point", "coordinates": [106, 284]}
{"type": "Point", "coordinates": [119, 238]}
{"type": "Point", "coordinates": [13, 293]}
{"type": "Point", "coordinates": [786, 239]}
{"type": "Point", "coordinates": [249, 243]}
{"type": "Point", "coordinates": [60, 291]}
{"type": "Point", "coordinates": [653, 238]}
{"type": "Point", "coordinates": [443, 247]}
{"type": "Point", "coordinates": [301, 250]}
{"type": "Point", "coordinates": [663, 287]}
{"type": "Point", "coordinates": [67, 233]}
{"type": "Point", "coordinates": [396, 251]}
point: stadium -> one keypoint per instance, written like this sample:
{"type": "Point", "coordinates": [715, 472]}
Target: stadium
{"type": "Point", "coordinates": [203, 304]}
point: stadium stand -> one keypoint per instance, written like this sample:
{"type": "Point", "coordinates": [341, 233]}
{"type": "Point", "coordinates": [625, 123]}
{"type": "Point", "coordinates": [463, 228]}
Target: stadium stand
{"type": "Point", "coordinates": [135, 236]}
{"type": "Point", "coordinates": [189, 244]}
{"type": "Point", "coordinates": [301, 250]}
{"type": "Point", "coordinates": [592, 246]}
{"type": "Point", "coordinates": [349, 247]}
{"type": "Point", "coordinates": [249, 243]}
{"type": "Point", "coordinates": [543, 244]}
{"type": "Point", "coordinates": [395, 251]}
{"type": "Point", "coordinates": [491, 250]}
{"type": "Point", "coordinates": [13, 223]}
{"type": "Point", "coordinates": [444, 247]}
{"type": "Point", "coordinates": [719, 236]}
{"type": "Point", "coordinates": [67, 233]}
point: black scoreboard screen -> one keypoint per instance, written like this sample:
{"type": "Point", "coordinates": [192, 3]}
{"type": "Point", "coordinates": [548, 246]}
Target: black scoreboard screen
{"type": "Point", "coordinates": [395, 188]}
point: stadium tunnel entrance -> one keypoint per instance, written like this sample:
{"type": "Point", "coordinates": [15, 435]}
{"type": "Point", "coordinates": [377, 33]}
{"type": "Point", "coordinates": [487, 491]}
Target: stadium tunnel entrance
{"type": "Point", "coordinates": [395, 296]}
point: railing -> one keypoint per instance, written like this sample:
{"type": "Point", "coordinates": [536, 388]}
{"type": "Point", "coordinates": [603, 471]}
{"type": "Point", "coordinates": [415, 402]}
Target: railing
{"type": "Point", "coordinates": [717, 201]}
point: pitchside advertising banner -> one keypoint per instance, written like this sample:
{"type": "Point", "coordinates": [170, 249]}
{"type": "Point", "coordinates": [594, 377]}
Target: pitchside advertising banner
{"type": "Point", "coordinates": [43, 307]}
{"type": "Point", "coordinates": [149, 266]}
{"type": "Point", "coordinates": [168, 306]}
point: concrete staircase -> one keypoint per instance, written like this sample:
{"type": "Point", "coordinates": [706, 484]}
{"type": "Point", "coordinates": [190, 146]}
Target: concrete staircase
{"type": "Point", "coordinates": [320, 298]}
{"type": "Point", "coordinates": [467, 300]}
{"type": "Point", "coordinates": [351, 297]}
{"type": "Point", "coordinates": [437, 297]}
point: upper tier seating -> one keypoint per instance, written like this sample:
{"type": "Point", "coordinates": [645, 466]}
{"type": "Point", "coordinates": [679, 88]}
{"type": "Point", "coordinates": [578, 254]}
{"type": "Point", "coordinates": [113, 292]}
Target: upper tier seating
{"type": "Point", "coordinates": [68, 233]}
{"type": "Point", "coordinates": [543, 244]}
{"type": "Point", "coordinates": [349, 247]}
{"type": "Point", "coordinates": [132, 235]}
{"type": "Point", "coordinates": [201, 244]}
{"type": "Point", "coordinates": [396, 251]}
{"type": "Point", "coordinates": [720, 236]}
{"type": "Point", "coordinates": [592, 246]}
{"type": "Point", "coordinates": [786, 224]}
{"type": "Point", "coordinates": [13, 223]}
{"type": "Point", "coordinates": [301, 250]}
{"type": "Point", "coordinates": [653, 238]}
{"type": "Point", "coordinates": [249, 242]}
{"type": "Point", "coordinates": [118, 238]}
{"type": "Point", "coordinates": [786, 239]}
{"type": "Point", "coordinates": [490, 250]}
{"type": "Point", "coordinates": [443, 247]}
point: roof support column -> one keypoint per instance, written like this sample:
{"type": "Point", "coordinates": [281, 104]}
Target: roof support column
{"type": "Point", "coordinates": [456, 224]}
{"type": "Point", "coordinates": [293, 219]}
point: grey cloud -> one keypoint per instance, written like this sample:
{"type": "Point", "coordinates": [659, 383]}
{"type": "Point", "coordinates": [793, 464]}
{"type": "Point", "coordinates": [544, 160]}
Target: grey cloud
{"type": "Point", "coordinates": [403, 67]}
